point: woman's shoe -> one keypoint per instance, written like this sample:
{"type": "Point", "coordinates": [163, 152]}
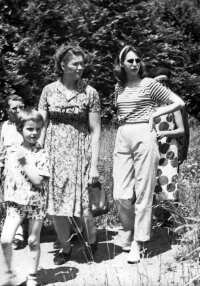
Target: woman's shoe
{"type": "Point", "coordinates": [31, 281]}
{"type": "Point", "coordinates": [62, 258]}
{"type": "Point", "coordinates": [134, 254]}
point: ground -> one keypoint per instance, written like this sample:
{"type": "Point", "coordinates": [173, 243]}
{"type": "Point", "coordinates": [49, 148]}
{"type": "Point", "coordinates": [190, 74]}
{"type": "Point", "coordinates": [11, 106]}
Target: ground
{"type": "Point", "coordinates": [158, 265]}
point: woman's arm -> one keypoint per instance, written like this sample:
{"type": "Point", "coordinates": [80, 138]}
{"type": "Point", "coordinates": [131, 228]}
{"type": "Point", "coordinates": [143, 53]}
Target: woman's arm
{"type": "Point", "coordinates": [176, 104]}
{"type": "Point", "coordinates": [95, 129]}
{"type": "Point", "coordinates": [178, 132]}
{"type": "Point", "coordinates": [45, 116]}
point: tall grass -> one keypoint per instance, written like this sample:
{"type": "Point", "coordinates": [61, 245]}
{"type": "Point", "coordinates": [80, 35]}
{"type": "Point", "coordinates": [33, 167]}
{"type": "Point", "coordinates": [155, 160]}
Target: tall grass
{"type": "Point", "coordinates": [189, 181]}
{"type": "Point", "coordinates": [188, 185]}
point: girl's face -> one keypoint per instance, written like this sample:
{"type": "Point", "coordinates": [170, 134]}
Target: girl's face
{"type": "Point", "coordinates": [74, 67]}
{"type": "Point", "coordinates": [131, 64]}
{"type": "Point", "coordinates": [31, 132]}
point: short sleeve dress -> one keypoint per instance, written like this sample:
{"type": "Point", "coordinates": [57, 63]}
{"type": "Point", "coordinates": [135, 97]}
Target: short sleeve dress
{"type": "Point", "coordinates": [68, 143]}
{"type": "Point", "coordinates": [167, 173]}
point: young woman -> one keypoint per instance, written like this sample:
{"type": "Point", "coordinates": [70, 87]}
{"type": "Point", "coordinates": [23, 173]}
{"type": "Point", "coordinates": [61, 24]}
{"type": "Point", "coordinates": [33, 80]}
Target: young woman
{"type": "Point", "coordinates": [71, 135]}
{"type": "Point", "coordinates": [136, 152]}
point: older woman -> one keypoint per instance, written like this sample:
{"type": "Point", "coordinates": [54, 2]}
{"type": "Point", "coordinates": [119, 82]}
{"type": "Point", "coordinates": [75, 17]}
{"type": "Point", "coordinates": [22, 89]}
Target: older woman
{"type": "Point", "coordinates": [136, 151]}
{"type": "Point", "coordinates": [71, 111]}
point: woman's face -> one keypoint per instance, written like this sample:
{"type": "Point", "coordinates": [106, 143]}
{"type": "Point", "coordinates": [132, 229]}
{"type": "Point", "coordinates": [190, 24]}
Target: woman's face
{"type": "Point", "coordinates": [14, 108]}
{"type": "Point", "coordinates": [131, 63]}
{"type": "Point", "coordinates": [74, 67]}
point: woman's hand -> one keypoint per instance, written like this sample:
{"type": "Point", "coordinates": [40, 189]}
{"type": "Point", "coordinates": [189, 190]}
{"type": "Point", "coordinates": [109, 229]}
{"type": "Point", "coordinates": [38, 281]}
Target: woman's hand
{"type": "Point", "coordinates": [93, 175]}
{"type": "Point", "coordinates": [151, 123]}
{"type": "Point", "coordinates": [160, 134]}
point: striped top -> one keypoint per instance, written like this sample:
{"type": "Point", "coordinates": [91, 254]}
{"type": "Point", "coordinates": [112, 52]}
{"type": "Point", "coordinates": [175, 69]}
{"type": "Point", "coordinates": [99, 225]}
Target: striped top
{"type": "Point", "coordinates": [137, 104]}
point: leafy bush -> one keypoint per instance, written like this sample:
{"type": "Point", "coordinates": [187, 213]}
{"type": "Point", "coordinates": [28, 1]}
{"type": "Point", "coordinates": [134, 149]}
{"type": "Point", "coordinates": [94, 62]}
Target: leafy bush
{"type": "Point", "coordinates": [166, 31]}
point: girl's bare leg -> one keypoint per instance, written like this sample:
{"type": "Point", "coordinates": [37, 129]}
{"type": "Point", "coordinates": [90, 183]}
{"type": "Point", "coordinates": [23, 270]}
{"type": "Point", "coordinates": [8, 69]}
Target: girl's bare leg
{"type": "Point", "coordinates": [34, 243]}
{"type": "Point", "coordinates": [9, 229]}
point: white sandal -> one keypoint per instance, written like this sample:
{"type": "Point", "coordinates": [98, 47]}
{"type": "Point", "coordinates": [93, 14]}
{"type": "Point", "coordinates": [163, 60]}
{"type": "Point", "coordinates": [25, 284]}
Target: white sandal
{"type": "Point", "coordinates": [134, 254]}
{"type": "Point", "coordinates": [31, 281]}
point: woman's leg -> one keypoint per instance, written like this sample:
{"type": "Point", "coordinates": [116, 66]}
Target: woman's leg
{"type": "Point", "coordinates": [9, 229]}
{"type": "Point", "coordinates": [145, 162]}
{"type": "Point", "coordinates": [63, 227]}
{"type": "Point", "coordinates": [89, 228]}
{"type": "Point", "coordinates": [34, 244]}
{"type": "Point", "coordinates": [123, 179]}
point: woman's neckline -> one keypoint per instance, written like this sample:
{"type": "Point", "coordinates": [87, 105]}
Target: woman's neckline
{"type": "Point", "coordinates": [135, 85]}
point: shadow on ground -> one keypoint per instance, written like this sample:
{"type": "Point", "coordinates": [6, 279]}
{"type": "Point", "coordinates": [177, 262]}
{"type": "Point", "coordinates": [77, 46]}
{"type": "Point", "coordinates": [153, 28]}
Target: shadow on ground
{"type": "Point", "coordinates": [107, 250]}
{"type": "Point", "coordinates": [59, 274]}
{"type": "Point", "coordinates": [160, 243]}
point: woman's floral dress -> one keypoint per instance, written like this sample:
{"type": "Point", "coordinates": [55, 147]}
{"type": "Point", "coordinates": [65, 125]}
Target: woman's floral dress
{"type": "Point", "coordinates": [167, 173]}
{"type": "Point", "coordinates": [68, 143]}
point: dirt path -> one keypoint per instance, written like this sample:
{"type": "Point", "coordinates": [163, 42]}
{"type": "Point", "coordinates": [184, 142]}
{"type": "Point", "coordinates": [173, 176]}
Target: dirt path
{"type": "Point", "coordinates": [157, 267]}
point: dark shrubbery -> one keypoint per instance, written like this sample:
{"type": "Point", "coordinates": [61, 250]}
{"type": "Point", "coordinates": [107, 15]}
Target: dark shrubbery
{"type": "Point", "coordinates": [167, 31]}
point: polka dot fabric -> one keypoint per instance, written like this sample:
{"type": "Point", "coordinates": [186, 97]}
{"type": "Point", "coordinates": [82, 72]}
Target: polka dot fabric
{"type": "Point", "coordinates": [167, 173]}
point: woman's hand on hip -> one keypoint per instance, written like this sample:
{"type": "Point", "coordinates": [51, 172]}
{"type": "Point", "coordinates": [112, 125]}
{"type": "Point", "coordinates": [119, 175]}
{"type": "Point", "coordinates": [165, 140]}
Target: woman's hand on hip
{"type": "Point", "coordinates": [151, 123]}
{"type": "Point", "coordinates": [93, 175]}
{"type": "Point", "coordinates": [160, 134]}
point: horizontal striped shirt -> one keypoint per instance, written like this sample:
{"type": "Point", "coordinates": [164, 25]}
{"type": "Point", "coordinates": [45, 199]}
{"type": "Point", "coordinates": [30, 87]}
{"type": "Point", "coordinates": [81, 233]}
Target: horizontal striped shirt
{"type": "Point", "coordinates": [137, 104]}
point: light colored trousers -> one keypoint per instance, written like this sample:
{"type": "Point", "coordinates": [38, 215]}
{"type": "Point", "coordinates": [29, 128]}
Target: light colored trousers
{"type": "Point", "coordinates": [134, 173]}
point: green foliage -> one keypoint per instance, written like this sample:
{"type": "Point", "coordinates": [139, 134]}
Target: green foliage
{"type": "Point", "coordinates": [167, 31]}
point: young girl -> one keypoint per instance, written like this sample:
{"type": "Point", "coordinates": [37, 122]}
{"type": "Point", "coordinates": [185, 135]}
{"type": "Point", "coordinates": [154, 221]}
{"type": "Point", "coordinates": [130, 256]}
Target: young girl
{"type": "Point", "coordinates": [26, 176]}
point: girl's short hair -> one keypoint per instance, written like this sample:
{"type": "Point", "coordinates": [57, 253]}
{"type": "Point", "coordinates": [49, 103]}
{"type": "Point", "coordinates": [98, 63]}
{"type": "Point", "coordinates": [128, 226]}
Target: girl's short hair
{"type": "Point", "coordinates": [12, 97]}
{"type": "Point", "coordinates": [63, 54]}
{"type": "Point", "coordinates": [119, 72]}
{"type": "Point", "coordinates": [27, 115]}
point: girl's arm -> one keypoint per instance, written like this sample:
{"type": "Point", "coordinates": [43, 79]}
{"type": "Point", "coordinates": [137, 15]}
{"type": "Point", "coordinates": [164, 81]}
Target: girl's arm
{"type": "Point", "coordinates": [32, 173]}
{"type": "Point", "coordinates": [29, 168]}
{"type": "Point", "coordinates": [176, 104]}
{"type": "Point", "coordinates": [95, 129]}
{"type": "Point", "coordinates": [178, 132]}
{"type": "Point", "coordinates": [45, 116]}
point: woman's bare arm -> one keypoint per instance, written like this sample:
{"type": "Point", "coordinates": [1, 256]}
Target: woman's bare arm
{"type": "Point", "coordinates": [45, 116]}
{"type": "Point", "coordinates": [95, 129]}
{"type": "Point", "coordinates": [176, 103]}
{"type": "Point", "coordinates": [178, 132]}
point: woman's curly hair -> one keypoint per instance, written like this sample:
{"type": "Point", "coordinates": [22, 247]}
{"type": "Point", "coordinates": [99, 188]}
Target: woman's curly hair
{"type": "Point", "coordinates": [63, 54]}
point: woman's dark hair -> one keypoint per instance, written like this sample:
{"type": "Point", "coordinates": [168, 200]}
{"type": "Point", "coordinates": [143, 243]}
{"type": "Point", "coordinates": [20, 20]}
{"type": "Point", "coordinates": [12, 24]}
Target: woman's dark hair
{"type": "Point", "coordinates": [12, 97]}
{"type": "Point", "coordinates": [26, 115]}
{"type": "Point", "coordinates": [156, 71]}
{"type": "Point", "coordinates": [63, 54]}
{"type": "Point", "coordinates": [119, 72]}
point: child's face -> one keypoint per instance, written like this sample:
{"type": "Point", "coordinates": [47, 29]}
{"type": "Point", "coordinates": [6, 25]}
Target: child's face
{"type": "Point", "coordinates": [14, 107]}
{"type": "Point", "coordinates": [31, 132]}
